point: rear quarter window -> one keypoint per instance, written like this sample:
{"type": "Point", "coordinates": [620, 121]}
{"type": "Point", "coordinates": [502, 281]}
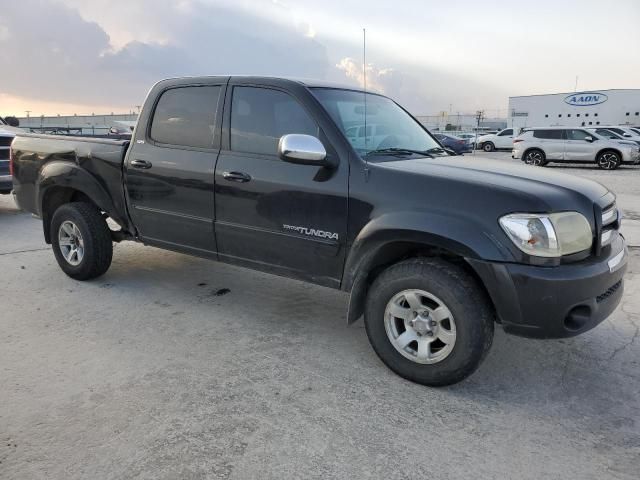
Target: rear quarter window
{"type": "Point", "coordinates": [548, 134]}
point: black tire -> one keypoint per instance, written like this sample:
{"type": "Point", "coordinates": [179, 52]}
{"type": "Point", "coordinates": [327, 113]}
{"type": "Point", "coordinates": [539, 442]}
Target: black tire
{"type": "Point", "coordinates": [488, 147]}
{"type": "Point", "coordinates": [96, 237]}
{"type": "Point", "coordinates": [467, 302]}
{"type": "Point", "coordinates": [535, 157]}
{"type": "Point", "coordinates": [609, 160]}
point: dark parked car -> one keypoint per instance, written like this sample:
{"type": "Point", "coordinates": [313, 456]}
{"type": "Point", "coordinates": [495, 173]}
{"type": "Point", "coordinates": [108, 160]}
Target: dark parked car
{"type": "Point", "coordinates": [457, 144]}
{"type": "Point", "coordinates": [259, 172]}
{"type": "Point", "coordinates": [6, 137]}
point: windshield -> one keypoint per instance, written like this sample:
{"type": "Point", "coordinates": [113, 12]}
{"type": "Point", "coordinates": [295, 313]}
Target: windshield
{"type": "Point", "coordinates": [388, 127]}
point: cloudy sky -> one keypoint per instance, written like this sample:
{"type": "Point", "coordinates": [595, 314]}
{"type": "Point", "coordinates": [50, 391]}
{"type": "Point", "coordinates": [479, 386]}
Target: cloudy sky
{"type": "Point", "coordinates": [79, 56]}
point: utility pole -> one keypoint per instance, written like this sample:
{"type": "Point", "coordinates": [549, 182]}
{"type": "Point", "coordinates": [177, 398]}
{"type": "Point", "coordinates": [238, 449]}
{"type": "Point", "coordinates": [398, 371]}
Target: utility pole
{"type": "Point", "coordinates": [479, 117]}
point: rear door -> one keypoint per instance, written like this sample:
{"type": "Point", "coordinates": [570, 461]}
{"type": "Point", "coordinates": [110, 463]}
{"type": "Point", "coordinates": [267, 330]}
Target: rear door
{"type": "Point", "coordinates": [577, 148]}
{"type": "Point", "coordinates": [272, 215]}
{"type": "Point", "coordinates": [551, 142]}
{"type": "Point", "coordinates": [170, 168]}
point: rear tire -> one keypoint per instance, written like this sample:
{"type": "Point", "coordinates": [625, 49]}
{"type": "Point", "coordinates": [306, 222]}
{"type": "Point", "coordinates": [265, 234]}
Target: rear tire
{"type": "Point", "coordinates": [430, 302]}
{"type": "Point", "coordinates": [535, 157]}
{"type": "Point", "coordinates": [488, 147]}
{"type": "Point", "coordinates": [609, 160]}
{"type": "Point", "coordinates": [81, 240]}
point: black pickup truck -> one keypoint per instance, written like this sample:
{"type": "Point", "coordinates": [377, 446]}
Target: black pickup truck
{"type": "Point", "coordinates": [345, 189]}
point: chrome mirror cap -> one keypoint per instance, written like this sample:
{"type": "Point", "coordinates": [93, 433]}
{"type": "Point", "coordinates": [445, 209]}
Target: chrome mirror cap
{"type": "Point", "coordinates": [304, 149]}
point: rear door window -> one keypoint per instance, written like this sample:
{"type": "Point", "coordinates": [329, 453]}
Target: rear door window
{"type": "Point", "coordinates": [186, 116]}
{"type": "Point", "coordinates": [260, 116]}
{"type": "Point", "coordinates": [555, 134]}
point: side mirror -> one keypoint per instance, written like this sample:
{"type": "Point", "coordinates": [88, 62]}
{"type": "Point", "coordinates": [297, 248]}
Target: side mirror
{"type": "Point", "coordinates": [589, 139]}
{"type": "Point", "coordinates": [302, 149]}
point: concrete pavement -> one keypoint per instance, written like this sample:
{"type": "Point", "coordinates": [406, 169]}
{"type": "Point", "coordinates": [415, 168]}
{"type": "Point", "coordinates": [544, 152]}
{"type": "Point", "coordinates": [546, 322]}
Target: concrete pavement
{"type": "Point", "coordinates": [156, 371]}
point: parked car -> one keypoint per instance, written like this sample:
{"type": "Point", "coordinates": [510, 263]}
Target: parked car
{"type": "Point", "coordinates": [498, 141]}
{"type": "Point", "coordinates": [610, 134]}
{"type": "Point", "coordinates": [626, 132]}
{"type": "Point", "coordinates": [469, 137]}
{"type": "Point", "coordinates": [539, 146]}
{"type": "Point", "coordinates": [259, 172]}
{"type": "Point", "coordinates": [457, 144]}
{"type": "Point", "coordinates": [6, 137]}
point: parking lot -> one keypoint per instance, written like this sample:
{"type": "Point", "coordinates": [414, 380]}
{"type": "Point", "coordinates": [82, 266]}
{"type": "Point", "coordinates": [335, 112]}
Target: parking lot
{"type": "Point", "coordinates": [171, 366]}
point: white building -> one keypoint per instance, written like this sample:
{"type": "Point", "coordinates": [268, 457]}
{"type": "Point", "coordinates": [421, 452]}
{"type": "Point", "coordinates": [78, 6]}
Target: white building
{"type": "Point", "coordinates": [598, 107]}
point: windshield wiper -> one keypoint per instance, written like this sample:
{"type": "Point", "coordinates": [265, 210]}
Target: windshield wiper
{"type": "Point", "coordinates": [441, 150]}
{"type": "Point", "coordinates": [399, 151]}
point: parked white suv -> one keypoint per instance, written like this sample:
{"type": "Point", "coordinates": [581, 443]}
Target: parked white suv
{"type": "Point", "coordinates": [501, 140]}
{"type": "Point", "coordinates": [539, 146]}
{"type": "Point", "coordinates": [626, 132]}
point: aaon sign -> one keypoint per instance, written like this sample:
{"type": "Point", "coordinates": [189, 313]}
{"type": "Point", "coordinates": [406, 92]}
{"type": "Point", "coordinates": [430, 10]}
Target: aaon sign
{"type": "Point", "coordinates": [584, 99]}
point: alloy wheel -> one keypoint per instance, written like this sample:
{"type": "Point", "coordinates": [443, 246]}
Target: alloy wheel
{"type": "Point", "coordinates": [71, 243]}
{"type": "Point", "coordinates": [608, 161]}
{"type": "Point", "coordinates": [534, 158]}
{"type": "Point", "coordinates": [420, 326]}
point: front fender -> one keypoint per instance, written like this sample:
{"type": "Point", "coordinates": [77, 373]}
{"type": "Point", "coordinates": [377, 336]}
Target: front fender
{"type": "Point", "coordinates": [70, 175]}
{"type": "Point", "coordinates": [462, 235]}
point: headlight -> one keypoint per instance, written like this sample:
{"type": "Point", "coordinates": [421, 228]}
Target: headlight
{"type": "Point", "coordinates": [551, 235]}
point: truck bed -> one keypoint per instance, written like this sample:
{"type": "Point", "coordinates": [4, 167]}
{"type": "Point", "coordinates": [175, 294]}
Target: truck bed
{"type": "Point", "coordinates": [102, 159]}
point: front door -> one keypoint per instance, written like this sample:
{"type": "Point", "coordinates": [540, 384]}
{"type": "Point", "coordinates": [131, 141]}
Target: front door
{"type": "Point", "coordinates": [273, 215]}
{"type": "Point", "coordinates": [504, 139]}
{"type": "Point", "coordinates": [170, 169]}
{"type": "Point", "coordinates": [577, 148]}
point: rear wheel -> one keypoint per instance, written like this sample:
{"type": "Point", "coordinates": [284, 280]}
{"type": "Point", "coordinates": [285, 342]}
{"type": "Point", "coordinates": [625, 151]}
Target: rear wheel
{"type": "Point", "coordinates": [535, 157]}
{"type": "Point", "coordinates": [488, 147]}
{"type": "Point", "coordinates": [429, 321]}
{"type": "Point", "coordinates": [609, 160]}
{"type": "Point", "coordinates": [81, 240]}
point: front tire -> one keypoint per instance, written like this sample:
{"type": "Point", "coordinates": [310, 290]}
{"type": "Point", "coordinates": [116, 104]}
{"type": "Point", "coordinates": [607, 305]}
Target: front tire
{"type": "Point", "coordinates": [81, 240]}
{"type": "Point", "coordinates": [429, 321]}
{"type": "Point", "coordinates": [488, 147]}
{"type": "Point", "coordinates": [609, 160]}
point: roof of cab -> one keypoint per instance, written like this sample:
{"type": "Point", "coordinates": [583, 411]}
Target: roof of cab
{"type": "Point", "coordinates": [307, 82]}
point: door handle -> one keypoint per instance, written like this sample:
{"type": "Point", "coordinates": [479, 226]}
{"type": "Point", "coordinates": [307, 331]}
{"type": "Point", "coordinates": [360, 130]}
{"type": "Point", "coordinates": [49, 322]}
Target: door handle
{"type": "Point", "coordinates": [140, 164]}
{"type": "Point", "coordinates": [236, 177]}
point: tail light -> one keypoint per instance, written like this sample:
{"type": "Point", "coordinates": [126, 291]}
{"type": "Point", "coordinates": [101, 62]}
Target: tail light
{"type": "Point", "coordinates": [12, 158]}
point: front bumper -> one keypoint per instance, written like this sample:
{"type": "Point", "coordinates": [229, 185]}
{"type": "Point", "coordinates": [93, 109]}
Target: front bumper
{"type": "Point", "coordinates": [555, 302]}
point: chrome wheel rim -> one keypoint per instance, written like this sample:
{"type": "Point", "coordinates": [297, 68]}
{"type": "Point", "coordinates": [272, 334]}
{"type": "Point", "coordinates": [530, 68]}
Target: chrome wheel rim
{"type": "Point", "coordinates": [71, 243]}
{"type": "Point", "coordinates": [420, 326]}
{"type": "Point", "coordinates": [534, 158]}
{"type": "Point", "coordinates": [608, 160]}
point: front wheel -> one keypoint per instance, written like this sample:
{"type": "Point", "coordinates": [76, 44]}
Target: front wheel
{"type": "Point", "coordinates": [81, 240]}
{"type": "Point", "coordinates": [488, 147]}
{"type": "Point", "coordinates": [609, 160]}
{"type": "Point", "coordinates": [429, 321]}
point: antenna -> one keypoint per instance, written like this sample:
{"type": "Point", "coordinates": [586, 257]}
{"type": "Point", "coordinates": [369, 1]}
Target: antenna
{"type": "Point", "coordinates": [364, 82]}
